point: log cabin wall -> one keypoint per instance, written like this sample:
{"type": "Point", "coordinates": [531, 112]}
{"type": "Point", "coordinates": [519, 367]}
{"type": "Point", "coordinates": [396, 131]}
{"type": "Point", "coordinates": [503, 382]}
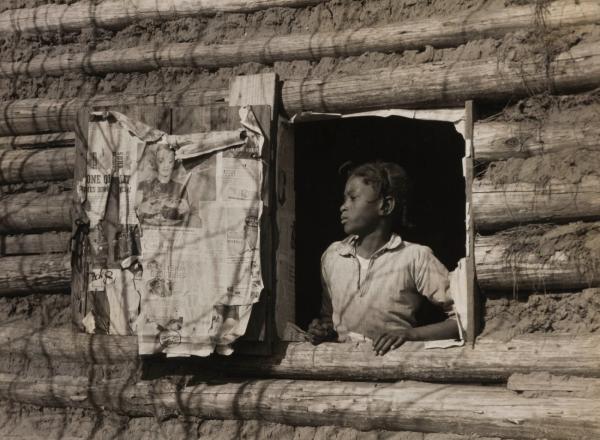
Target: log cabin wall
{"type": "Point", "coordinates": [535, 203]}
{"type": "Point", "coordinates": [532, 68]}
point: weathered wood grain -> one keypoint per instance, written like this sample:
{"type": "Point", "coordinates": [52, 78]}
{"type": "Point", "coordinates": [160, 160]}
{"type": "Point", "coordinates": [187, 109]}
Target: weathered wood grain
{"type": "Point", "coordinates": [63, 139]}
{"type": "Point", "coordinates": [499, 269]}
{"type": "Point", "coordinates": [49, 242]}
{"type": "Point", "coordinates": [489, 361]}
{"type": "Point", "coordinates": [27, 274]}
{"type": "Point", "coordinates": [17, 166]}
{"type": "Point", "coordinates": [425, 407]}
{"type": "Point", "coordinates": [447, 31]}
{"type": "Point", "coordinates": [440, 84]}
{"type": "Point", "coordinates": [501, 140]}
{"type": "Point", "coordinates": [33, 211]}
{"type": "Point", "coordinates": [497, 206]}
{"type": "Point", "coordinates": [444, 84]}
{"type": "Point", "coordinates": [115, 14]}
{"type": "Point", "coordinates": [555, 384]}
{"type": "Point", "coordinates": [30, 116]}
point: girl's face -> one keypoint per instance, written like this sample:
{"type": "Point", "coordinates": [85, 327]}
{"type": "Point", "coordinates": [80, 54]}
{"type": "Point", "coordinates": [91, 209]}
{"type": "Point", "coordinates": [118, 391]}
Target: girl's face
{"type": "Point", "coordinates": [361, 210]}
{"type": "Point", "coordinates": [165, 161]}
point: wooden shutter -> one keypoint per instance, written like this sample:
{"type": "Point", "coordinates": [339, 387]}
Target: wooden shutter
{"type": "Point", "coordinates": [257, 91]}
{"type": "Point", "coordinates": [285, 217]}
{"type": "Point", "coordinates": [473, 315]}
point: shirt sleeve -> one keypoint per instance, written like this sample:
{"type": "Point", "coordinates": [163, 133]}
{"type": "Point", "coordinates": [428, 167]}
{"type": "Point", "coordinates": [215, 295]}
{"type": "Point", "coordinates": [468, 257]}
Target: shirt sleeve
{"type": "Point", "coordinates": [432, 279]}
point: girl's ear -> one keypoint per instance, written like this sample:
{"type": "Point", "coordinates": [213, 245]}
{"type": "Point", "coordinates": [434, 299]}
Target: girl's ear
{"type": "Point", "coordinates": [388, 203]}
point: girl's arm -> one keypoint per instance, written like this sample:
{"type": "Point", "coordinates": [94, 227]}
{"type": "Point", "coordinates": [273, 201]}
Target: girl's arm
{"type": "Point", "coordinates": [321, 329]}
{"type": "Point", "coordinates": [440, 330]}
{"type": "Point", "coordinates": [393, 339]}
{"type": "Point", "coordinates": [431, 280]}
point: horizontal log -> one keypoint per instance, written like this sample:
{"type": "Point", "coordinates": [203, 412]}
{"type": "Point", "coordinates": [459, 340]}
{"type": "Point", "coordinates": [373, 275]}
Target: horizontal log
{"type": "Point", "coordinates": [499, 268]}
{"type": "Point", "coordinates": [425, 407]}
{"type": "Point", "coordinates": [64, 139]}
{"type": "Point", "coordinates": [501, 140]}
{"type": "Point", "coordinates": [67, 344]}
{"type": "Point", "coordinates": [115, 14]}
{"type": "Point", "coordinates": [445, 83]}
{"type": "Point", "coordinates": [440, 84]}
{"type": "Point", "coordinates": [30, 116]}
{"type": "Point", "coordinates": [497, 206]}
{"type": "Point", "coordinates": [447, 31]}
{"type": "Point", "coordinates": [24, 275]}
{"type": "Point", "coordinates": [49, 242]}
{"type": "Point", "coordinates": [33, 211]}
{"type": "Point", "coordinates": [549, 383]}
{"type": "Point", "coordinates": [489, 361]}
{"type": "Point", "coordinates": [18, 166]}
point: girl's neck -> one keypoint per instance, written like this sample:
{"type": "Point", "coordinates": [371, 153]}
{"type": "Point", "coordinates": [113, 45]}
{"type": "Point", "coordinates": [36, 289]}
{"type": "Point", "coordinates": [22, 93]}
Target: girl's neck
{"type": "Point", "coordinates": [370, 243]}
{"type": "Point", "coordinates": [163, 179]}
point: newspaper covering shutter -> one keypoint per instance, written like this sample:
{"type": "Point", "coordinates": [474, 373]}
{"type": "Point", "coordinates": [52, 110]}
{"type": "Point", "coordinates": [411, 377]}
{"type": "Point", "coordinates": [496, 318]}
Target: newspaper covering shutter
{"type": "Point", "coordinates": [190, 208]}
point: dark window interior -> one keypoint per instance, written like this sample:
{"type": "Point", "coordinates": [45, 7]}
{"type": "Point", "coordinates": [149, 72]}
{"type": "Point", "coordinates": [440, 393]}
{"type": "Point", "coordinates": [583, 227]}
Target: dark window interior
{"type": "Point", "coordinates": [431, 153]}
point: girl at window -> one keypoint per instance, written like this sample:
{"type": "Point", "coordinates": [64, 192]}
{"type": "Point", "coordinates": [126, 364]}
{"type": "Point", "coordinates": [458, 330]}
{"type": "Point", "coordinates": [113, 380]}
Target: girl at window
{"type": "Point", "coordinates": [374, 281]}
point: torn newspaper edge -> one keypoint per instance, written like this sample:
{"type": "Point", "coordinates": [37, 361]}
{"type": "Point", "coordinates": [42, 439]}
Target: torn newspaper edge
{"type": "Point", "coordinates": [199, 144]}
{"type": "Point", "coordinates": [174, 243]}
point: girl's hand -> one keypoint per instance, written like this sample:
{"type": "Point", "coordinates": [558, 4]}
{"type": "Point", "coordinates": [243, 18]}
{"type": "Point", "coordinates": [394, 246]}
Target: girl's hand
{"type": "Point", "coordinates": [391, 340]}
{"type": "Point", "coordinates": [321, 331]}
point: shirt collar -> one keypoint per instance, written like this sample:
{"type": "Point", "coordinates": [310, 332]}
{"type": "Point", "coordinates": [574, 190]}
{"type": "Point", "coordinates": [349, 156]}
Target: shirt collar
{"type": "Point", "coordinates": [348, 246]}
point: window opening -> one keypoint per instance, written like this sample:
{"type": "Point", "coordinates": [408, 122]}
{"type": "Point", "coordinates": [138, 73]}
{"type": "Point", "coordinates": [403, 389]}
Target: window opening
{"type": "Point", "coordinates": [430, 151]}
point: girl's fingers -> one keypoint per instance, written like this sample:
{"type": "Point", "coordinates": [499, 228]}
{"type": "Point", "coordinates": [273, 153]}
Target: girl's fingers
{"type": "Point", "coordinates": [314, 326]}
{"type": "Point", "coordinates": [319, 332]}
{"type": "Point", "coordinates": [387, 342]}
{"type": "Point", "coordinates": [381, 341]}
{"type": "Point", "coordinates": [398, 343]}
{"type": "Point", "coordinates": [386, 346]}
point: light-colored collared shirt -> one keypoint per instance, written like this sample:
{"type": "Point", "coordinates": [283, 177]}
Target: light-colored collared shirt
{"type": "Point", "coordinates": [385, 296]}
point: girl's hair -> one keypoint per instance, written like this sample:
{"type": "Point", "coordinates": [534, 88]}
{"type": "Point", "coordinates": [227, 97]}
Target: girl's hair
{"type": "Point", "coordinates": [387, 179]}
